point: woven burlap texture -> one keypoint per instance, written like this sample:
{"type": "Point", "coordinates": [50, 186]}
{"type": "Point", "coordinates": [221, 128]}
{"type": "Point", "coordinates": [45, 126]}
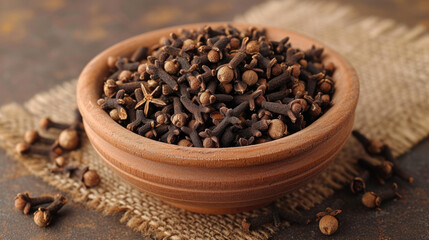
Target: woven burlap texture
{"type": "Point", "coordinates": [391, 61]}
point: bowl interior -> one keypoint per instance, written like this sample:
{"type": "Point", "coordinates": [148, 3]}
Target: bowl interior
{"type": "Point", "coordinates": [89, 89]}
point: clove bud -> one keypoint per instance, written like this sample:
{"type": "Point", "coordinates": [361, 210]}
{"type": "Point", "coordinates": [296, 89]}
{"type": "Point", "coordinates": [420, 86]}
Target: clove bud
{"type": "Point", "coordinates": [44, 215]}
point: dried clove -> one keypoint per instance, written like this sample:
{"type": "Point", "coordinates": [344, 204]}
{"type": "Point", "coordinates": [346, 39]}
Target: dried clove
{"type": "Point", "coordinates": [275, 215]}
{"type": "Point", "coordinates": [33, 136]}
{"type": "Point", "coordinates": [44, 215]}
{"type": "Point", "coordinates": [383, 169]}
{"type": "Point", "coordinates": [373, 200]}
{"type": "Point", "coordinates": [89, 177]}
{"type": "Point", "coordinates": [179, 118]}
{"type": "Point", "coordinates": [111, 87]}
{"type": "Point", "coordinates": [328, 225]}
{"type": "Point", "coordinates": [149, 98]}
{"type": "Point", "coordinates": [171, 135]}
{"type": "Point", "coordinates": [24, 203]}
{"type": "Point", "coordinates": [280, 80]}
{"type": "Point", "coordinates": [250, 98]}
{"type": "Point", "coordinates": [52, 151]}
{"type": "Point", "coordinates": [328, 222]}
{"type": "Point", "coordinates": [358, 184]}
{"type": "Point", "coordinates": [255, 127]}
{"type": "Point", "coordinates": [47, 123]}
{"type": "Point", "coordinates": [193, 134]}
{"type": "Point", "coordinates": [185, 143]}
{"type": "Point", "coordinates": [196, 110]}
{"type": "Point", "coordinates": [372, 146]}
{"type": "Point", "coordinates": [277, 129]}
{"type": "Point", "coordinates": [290, 110]}
{"type": "Point", "coordinates": [398, 171]}
{"type": "Point", "coordinates": [114, 103]}
{"type": "Point", "coordinates": [156, 71]}
{"type": "Point", "coordinates": [69, 139]}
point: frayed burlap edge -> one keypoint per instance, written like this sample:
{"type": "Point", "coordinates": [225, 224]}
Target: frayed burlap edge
{"type": "Point", "coordinates": [393, 109]}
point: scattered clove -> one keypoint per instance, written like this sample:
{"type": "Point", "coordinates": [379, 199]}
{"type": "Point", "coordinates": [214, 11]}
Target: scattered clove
{"type": "Point", "coordinates": [53, 151]}
{"type": "Point", "coordinates": [373, 200]}
{"type": "Point", "coordinates": [383, 170]}
{"type": "Point", "coordinates": [358, 184]}
{"type": "Point", "coordinates": [44, 215]}
{"type": "Point", "coordinates": [69, 139]}
{"type": "Point", "coordinates": [274, 216]}
{"type": "Point", "coordinates": [328, 222]}
{"type": "Point", "coordinates": [24, 203]}
{"type": "Point", "coordinates": [398, 171]}
{"type": "Point", "coordinates": [46, 123]}
{"type": "Point", "coordinates": [372, 146]}
{"type": "Point", "coordinates": [89, 178]}
{"type": "Point", "coordinates": [33, 136]}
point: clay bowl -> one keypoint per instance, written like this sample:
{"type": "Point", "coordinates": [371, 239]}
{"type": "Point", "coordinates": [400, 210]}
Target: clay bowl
{"type": "Point", "coordinates": [224, 180]}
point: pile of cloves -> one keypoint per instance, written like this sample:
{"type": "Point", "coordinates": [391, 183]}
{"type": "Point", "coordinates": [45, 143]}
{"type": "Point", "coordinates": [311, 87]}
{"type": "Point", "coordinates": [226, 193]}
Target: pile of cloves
{"type": "Point", "coordinates": [383, 170]}
{"type": "Point", "coordinates": [55, 149]}
{"type": "Point", "coordinates": [218, 87]}
{"type": "Point", "coordinates": [43, 216]}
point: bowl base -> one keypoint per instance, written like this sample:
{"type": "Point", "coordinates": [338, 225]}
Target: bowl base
{"type": "Point", "coordinates": [208, 210]}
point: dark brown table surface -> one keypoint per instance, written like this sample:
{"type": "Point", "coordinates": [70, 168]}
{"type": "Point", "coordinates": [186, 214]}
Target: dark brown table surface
{"type": "Point", "coordinates": [44, 43]}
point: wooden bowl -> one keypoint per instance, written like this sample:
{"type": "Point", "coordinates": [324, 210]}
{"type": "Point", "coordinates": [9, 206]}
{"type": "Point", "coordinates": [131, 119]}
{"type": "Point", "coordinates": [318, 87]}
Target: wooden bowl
{"type": "Point", "coordinates": [223, 180]}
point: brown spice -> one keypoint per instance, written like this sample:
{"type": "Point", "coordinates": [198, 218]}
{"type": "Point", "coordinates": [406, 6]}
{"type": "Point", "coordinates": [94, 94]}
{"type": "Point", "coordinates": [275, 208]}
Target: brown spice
{"type": "Point", "coordinates": [44, 215]}
{"type": "Point", "coordinates": [192, 75]}
{"type": "Point", "coordinates": [24, 203]}
{"type": "Point", "coordinates": [328, 225]}
{"type": "Point", "coordinates": [373, 200]}
{"type": "Point", "coordinates": [277, 129]}
{"type": "Point", "coordinates": [69, 139]}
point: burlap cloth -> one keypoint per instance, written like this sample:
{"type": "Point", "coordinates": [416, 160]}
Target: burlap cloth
{"type": "Point", "coordinates": [391, 60]}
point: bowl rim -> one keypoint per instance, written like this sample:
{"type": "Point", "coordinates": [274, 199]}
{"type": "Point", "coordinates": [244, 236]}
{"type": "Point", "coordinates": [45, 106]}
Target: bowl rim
{"type": "Point", "coordinates": [287, 147]}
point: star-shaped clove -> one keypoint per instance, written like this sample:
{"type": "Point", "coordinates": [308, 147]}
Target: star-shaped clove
{"type": "Point", "coordinates": [148, 98]}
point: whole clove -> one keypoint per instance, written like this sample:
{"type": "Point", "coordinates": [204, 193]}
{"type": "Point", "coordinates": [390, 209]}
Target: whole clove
{"type": "Point", "coordinates": [373, 200]}
{"type": "Point", "coordinates": [397, 171]}
{"type": "Point", "coordinates": [383, 170]}
{"type": "Point", "coordinates": [372, 146]}
{"type": "Point", "coordinates": [328, 222]}
{"type": "Point", "coordinates": [33, 136]}
{"type": "Point", "coordinates": [328, 225]}
{"type": "Point", "coordinates": [69, 139]}
{"type": "Point", "coordinates": [53, 151]}
{"type": "Point", "coordinates": [358, 184]}
{"type": "Point", "coordinates": [89, 177]}
{"type": "Point", "coordinates": [44, 215]}
{"type": "Point", "coordinates": [24, 203]}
